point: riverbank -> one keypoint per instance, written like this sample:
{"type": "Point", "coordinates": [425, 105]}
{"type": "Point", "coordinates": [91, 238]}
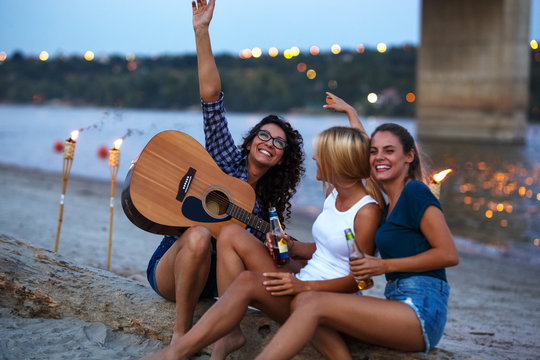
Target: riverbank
{"type": "Point", "coordinates": [492, 310]}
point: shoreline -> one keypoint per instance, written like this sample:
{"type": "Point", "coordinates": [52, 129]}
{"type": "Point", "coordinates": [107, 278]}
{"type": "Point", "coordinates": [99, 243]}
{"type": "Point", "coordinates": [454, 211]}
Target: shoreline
{"type": "Point", "coordinates": [302, 217]}
{"type": "Point", "coordinates": [492, 305]}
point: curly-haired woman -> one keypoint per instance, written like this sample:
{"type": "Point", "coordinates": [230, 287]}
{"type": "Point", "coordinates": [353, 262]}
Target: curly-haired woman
{"type": "Point", "coordinates": [182, 269]}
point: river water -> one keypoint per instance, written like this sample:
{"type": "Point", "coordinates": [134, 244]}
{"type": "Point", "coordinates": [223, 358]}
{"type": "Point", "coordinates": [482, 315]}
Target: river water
{"type": "Point", "coordinates": [492, 196]}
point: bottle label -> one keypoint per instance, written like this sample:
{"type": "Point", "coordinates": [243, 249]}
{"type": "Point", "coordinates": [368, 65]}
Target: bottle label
{"type": "Point", "coordinates": [283, 249]}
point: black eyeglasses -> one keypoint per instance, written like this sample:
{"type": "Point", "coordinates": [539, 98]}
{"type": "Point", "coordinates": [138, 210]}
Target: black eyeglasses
{"type": "Point", "coordinates": [277, 142]}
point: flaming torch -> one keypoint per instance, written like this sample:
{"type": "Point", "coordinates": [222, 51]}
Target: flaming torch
{"type": "Point", "coordinates": [435, 185]}
{"type": "Point", "coordinates": [114, 161]}
{"type": "Point", "coordinates": [69, 153]}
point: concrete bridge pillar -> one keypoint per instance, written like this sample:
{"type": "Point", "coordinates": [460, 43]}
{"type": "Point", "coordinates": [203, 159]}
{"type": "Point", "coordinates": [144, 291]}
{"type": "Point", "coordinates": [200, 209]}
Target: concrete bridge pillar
{"type": "Point", "coordinates": [473, 70]}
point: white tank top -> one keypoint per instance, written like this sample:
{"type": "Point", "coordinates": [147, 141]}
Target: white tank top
{"type": "Point", "coordinates": [331, 259]}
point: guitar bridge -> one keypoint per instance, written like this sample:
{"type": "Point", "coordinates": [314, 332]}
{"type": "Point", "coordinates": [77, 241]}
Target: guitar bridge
{"type": "Point", "coordinates": [183, 187]}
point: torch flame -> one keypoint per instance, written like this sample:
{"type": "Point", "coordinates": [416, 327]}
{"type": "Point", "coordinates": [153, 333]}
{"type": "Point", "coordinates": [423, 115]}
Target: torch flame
{"type": "Point", "coordinates": [118, 143]}
{"type": "Point", "coordinates": [438, 177]}
{"type": "Point", "coordinates": [74, 135]}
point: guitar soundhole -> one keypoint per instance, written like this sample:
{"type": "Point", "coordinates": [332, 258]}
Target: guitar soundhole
{"type": "Point", "coordinates": [216, 203]}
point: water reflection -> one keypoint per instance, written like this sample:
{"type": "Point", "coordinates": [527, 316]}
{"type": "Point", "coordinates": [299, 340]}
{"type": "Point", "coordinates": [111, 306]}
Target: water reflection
{"type": "Point", "coordinates": [493, 195]}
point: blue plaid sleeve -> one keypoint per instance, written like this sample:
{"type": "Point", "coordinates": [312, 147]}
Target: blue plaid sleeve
{"type": "Point", "coordinates": [219, 141]}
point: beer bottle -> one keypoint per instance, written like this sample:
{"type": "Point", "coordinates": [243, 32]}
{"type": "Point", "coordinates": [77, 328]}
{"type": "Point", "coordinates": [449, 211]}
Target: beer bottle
{"type": "Point", "coordinates": [279, 244]}
{"type": "Point", "coordinates": [356, 253]}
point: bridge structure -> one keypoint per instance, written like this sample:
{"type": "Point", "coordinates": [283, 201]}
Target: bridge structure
{"type": "Point", "coordinates": [473, 70]}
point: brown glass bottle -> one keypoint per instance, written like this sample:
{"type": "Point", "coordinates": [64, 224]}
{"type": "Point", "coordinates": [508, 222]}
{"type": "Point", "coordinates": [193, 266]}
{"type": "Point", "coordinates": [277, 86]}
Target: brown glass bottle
{"type": "Point", "coordinates": [356, 253]}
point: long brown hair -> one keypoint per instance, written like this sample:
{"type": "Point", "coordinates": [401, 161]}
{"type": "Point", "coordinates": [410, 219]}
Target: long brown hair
{"type": "Point", "coordinates": [417, 169]}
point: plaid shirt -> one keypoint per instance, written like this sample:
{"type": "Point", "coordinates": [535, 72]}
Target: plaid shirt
{"type": "Point", "coordinates": [220, 145]}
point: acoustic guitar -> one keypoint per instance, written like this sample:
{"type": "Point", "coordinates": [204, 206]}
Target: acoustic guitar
{"type": "Point", "coordinates": [174, 184]}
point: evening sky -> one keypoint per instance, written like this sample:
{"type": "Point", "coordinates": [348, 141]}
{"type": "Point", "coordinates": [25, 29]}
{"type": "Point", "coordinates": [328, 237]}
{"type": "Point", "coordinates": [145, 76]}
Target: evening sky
{"type": "Point", "coordinates": [163, 27]}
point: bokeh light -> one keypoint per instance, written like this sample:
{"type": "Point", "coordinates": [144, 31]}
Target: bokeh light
{"type": "Point", "coordinates": [43, 56]}
{"type": "Point", "coordinates": [89, 55]}
{"type": "Point", "coordinates": [333, 84]}
{"type": "Point", "coordinates": [301, 67]}
{"type": "Point", "coordinates": [311, 74]}
{"type": "Point", "coordinates": [3, 56]}
{"type": "Point", "coordinates": [314, 50]}
{"type": "Point", "coordinates": [336, 49]}
{"type": "Point", "coordinates": [245, 54]}
{"type": "Point", "coordinates": [287, 54]}
{"type": "Point", "coordinates": [295, 51]}
{"type": "Point", "coordinates": [256, 52]}
{"type": "Point", "coordinates": [372, 98]}
{"type": "Point", "coordinates": [273, 52]}
{"type": "Point", "coordinates": [130, 57]}
{"type": "Point", "coordinates": [410, 97]}
{"type": "Point", "coordinates": [381, 47]}
{"type": "Point", "coordinates": [360, 48]}
{"type": "Point", "coordinates": [534, 44]}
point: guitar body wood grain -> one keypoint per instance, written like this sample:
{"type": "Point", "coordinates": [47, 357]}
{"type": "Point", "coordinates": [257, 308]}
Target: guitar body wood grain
{"type": "Point", "coordinates": [149, 197]}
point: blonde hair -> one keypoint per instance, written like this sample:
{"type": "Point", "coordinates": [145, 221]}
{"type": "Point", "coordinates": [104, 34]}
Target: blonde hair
{"type": "Point", "coordinates": [342, 154]}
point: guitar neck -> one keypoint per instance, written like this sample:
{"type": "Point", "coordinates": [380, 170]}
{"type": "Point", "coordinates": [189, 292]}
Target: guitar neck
{"type": "Point", "coordinates": [251, 220]}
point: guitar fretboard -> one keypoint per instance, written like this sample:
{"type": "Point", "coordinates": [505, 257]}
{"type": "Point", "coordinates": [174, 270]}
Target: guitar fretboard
{"type": "Point", "coordinates": [253, 221]}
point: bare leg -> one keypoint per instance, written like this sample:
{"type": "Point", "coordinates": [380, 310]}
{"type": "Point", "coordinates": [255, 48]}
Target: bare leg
{"type": "Point", "coordinates": [234, 244]}
{"type": "Point", "coordinates": [330, 343]}
{"type": "Point", "coordinates": [227, 313]}
{"type": "Point", "coordinates": [383, 322]}
{"type": "Point", "coordinates": [237, 251]}
{"type": "Point", "coordinates": [182, 273]}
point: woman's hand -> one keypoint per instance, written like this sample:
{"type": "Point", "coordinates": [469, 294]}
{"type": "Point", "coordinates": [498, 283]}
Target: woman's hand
{"type": "Point", "coordinates": [202, 13]}
{"type": "Point", "coordinates": [337, 104]}
{"type": "Point", "coordinates": [283, 283]}
{"type": "Point", "coordinates": [269, 243]}
{"type": "Point", "coordinates": [367, 267]}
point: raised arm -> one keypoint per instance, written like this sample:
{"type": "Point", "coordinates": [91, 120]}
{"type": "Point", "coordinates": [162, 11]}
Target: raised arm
{"type": "Point", "coordinates": [339, 105]}
{"type": "Point", "coordinates": [209, 80]}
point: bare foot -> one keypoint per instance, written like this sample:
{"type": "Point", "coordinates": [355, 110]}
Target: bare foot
{"type": "Point", "coordinates": [227, 344]}
{"type": "Point", "coordinates": [169, 353]}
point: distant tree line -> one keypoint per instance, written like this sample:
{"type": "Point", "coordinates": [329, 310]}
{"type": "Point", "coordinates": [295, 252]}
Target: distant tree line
{"type": "Point", "coordinates": [256, 84]}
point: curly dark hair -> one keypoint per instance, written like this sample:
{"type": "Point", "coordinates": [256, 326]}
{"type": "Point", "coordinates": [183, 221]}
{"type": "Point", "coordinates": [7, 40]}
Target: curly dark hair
{"type": "Point", "coordinates": [278, 185]}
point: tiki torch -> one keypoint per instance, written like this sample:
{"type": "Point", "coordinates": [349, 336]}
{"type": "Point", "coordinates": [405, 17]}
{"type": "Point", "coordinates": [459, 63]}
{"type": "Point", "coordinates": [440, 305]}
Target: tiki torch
{"type": "Point", "coordinates": [69, 153]}
{"type": "Point", "coordinates": [435, 185]}
{"type": "Point", "coordinates": [114, 161]}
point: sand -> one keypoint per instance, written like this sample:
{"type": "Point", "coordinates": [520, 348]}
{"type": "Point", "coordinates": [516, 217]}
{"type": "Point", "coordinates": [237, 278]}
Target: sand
{"type": "Point", "coordinates": [493, 309]}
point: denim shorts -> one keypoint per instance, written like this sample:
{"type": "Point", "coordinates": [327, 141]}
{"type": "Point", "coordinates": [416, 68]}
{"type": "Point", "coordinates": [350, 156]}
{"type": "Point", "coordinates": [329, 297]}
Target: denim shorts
{"type": "Point", "coordinates": [210, 288]}
{"type": "Point", "coordinates": [428, 297]}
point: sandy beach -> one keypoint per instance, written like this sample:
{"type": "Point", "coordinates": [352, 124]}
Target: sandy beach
{"type": "Point", "coordinates": [493, 310]}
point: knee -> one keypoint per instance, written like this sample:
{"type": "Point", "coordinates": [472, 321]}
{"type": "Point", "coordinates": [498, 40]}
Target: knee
{"type": "Point", "coordinates": [197, 241]}
{"type": "Point", "coordinates": [246, 281]}
{"type": "Point", "coordinates": [228, 235]}
{"type": "Point", "coordinates": [307, 300]}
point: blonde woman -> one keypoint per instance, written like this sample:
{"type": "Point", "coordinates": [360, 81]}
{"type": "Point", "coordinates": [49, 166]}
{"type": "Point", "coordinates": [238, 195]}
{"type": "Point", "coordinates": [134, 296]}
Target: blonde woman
{"type": "Point", "coordinates": [415, 245]}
